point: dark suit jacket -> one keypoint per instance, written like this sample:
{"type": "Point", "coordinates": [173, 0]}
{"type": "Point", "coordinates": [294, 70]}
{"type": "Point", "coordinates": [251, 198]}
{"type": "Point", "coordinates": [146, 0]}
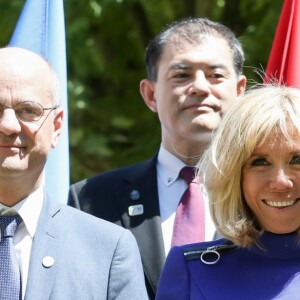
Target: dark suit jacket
{"type": "Point", "coordinates": [108, 196]}
{"type": "Point", "coordinates": [89, 258]}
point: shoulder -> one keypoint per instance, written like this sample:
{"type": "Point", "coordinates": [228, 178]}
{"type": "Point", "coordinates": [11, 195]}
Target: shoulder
{"type": "Point", "coordinates": [187, 273]}
{"type": "Point", "coordinates": [182, 264]}
{"type": "Point", "coordinates": [115, 174]}
{"type": "Point", "coordinates": [91, 228]}
{"type": "Point", "coordinates": [192, 260]}
{"type": "Point", "coordinates": [207, 252]}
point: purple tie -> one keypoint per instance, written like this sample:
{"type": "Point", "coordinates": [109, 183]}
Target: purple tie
{"type": "Point", "coordinates": [189, 225]}
{"type": "Point", "coordinates": [10, 277]}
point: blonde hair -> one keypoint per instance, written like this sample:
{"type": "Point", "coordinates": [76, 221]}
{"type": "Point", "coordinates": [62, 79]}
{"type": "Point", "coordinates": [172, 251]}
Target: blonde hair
{"type": "Point", "coordinates": [263, 110]}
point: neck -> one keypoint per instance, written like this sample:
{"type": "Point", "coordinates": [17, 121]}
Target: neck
{"type": "Point", "coordinates": [12, 191]}
{"type": "Point", "coordinates": [189, 149]}
{"type": "Point", "coordinates": [190, 154]}
{"type": "Point", "coordinates": [189, 159]}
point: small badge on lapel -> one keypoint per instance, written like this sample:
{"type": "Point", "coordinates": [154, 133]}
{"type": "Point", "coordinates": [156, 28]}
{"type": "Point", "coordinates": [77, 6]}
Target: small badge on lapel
{"type": "Point", "coordinates": [48, 261]}
{"type": "Point", "coordinates": [134, 195]}
{"type": "Point", "coordinates": [136, 210]}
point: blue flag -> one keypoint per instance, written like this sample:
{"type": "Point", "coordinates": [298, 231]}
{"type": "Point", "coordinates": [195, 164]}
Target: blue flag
{"type": "Point", "coordinates": [41, 29]}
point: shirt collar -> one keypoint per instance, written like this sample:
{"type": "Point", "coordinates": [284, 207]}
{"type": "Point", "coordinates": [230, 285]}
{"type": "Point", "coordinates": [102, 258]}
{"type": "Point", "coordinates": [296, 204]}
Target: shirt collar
{"type": "Point", "coordinates": [29, 209]}
{"type": "Point", "coordinates": [168, 166]}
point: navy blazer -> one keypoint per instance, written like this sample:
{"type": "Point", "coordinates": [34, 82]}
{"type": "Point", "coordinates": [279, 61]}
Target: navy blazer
{"type": "Point", "coordinates": [110, 194]}
{"type": "Point", "coordinates": [89, 258]}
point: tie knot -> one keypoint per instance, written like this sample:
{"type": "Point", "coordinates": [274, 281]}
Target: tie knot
{"type": "Point", "coordinates": [9, 224]}
{"type": "Point", "coordinates": [188, 174]}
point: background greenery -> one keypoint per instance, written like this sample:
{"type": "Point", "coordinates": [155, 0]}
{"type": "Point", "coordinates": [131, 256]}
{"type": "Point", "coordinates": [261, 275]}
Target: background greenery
{"type": "Point", "coordinates": [110, 126]}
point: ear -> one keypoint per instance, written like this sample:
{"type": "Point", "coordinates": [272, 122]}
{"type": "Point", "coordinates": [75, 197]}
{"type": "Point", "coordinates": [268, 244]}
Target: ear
{"type": "Point", "coordinates": [147, 90]}
{"type": "Point", "coordinates": [57, 125]}
{"type": "Point", "coordinates": [241, 86]}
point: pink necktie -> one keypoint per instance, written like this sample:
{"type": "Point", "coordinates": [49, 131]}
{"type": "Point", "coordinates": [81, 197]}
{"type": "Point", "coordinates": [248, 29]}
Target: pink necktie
{"type": "Point", "coordinates": [189, 225]}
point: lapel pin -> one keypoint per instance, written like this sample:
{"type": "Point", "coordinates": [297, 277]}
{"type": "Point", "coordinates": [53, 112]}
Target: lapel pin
{"type": "Point", "coordinates": [48, 261]}
{"type": "Point", "coordinates": [134, 195]}
{"type": "Point", "coordinates": [136, 210]}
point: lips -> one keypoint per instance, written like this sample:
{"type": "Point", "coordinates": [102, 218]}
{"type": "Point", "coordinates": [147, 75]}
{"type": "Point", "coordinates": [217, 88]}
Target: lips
{"type": "Point", "coordinates": [11, 143]}
{"type": "Point", "coordinates": [199, 107]}
{"type": "Point", "coordinates": [10, 146]}
{"type": "Point", "coordinates": [204, 104]}
{"type": "Point", "coordinates": [11, 149]}
{"type": "Point", "coordinates": [281, 204]}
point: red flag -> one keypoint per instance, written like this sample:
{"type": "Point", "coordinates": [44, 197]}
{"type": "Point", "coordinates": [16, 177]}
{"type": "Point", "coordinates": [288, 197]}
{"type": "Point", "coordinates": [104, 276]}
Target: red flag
{"type": "Point", "coordinates": [284, 60]}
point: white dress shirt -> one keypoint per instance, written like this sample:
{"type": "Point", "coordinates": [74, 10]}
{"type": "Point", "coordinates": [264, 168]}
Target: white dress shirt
{"type": "Point", "coordinates": [29, 209]}
{"type": "Point", "coordinates": [170, 189]}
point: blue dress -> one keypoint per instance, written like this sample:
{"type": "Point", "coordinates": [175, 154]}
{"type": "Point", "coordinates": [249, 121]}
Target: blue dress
{"type": "Point", "coordinates": [271, 271]}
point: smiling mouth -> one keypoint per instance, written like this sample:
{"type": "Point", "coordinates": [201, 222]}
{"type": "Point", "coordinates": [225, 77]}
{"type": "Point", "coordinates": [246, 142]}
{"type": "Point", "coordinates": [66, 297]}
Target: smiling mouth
{"type": "Point", "coordinates": [281, 204]}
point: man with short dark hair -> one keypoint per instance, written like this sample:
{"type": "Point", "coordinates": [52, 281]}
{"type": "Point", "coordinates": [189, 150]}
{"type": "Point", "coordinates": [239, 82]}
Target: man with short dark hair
{"type": "Point", "coordinates": [194, 74]}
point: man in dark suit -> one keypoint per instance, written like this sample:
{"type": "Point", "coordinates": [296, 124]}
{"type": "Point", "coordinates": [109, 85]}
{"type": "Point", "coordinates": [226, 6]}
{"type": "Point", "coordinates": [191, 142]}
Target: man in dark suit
{"type": "Point", "coordinates": [194, 71]}
{"type": "Point", "coordinates": [50, 250]}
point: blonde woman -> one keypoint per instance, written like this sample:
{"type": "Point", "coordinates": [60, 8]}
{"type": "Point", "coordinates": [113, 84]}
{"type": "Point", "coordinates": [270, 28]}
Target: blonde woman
{"type": "Point", "coordinates": [252, 175]}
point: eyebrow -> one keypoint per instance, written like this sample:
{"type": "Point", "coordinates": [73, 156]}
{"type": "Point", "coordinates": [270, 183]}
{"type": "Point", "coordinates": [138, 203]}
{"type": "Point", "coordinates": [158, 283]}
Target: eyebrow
{"type": "Point", "coordinates": [184, 66]}
{"type": "Point", "coordinates": [253, 154]}
{"type": "Point", "coordinates": [219, 66]}
{"type": "Point", "coordinates": [180, 66]}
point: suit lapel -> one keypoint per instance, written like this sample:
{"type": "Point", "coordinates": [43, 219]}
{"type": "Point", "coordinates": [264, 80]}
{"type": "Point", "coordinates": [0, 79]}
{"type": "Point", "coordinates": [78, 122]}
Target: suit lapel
{"type": "Point", "coordinates": [45, 255]}
{"type": "Point", "coordinates": [146, 227]}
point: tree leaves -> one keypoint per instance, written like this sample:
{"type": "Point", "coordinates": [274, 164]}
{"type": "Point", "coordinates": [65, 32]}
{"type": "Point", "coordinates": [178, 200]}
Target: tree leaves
{"type": "Point", "coordinates": [110, 126]}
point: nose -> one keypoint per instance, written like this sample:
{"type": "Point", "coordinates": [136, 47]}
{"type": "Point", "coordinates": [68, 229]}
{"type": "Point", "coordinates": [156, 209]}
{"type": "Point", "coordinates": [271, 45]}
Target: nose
{"type": "Point", "coordinates": [281, 180]}
{"type": "Point", "coordinates": [9, 123]}
{"type": "Point", "coordinates": [200, 85]}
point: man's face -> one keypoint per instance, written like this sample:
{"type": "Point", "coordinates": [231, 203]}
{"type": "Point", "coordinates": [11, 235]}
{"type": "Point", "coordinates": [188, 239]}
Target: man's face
{"type": "Point", "coordinates": [196, 83]}
{"type": "Point", "coordinates": [24, 146]}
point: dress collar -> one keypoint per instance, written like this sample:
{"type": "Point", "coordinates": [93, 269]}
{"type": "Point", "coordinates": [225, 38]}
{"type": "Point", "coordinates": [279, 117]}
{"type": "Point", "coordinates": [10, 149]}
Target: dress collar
{"type": "Point", "coordinates": [278, 246]}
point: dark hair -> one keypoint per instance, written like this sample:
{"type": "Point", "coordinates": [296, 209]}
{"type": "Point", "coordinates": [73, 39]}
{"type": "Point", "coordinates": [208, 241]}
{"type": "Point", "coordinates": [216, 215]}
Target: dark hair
{"type": "Point", "coordinates": [192, 30]}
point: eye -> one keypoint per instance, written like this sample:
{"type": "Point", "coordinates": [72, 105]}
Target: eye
{"type": "Point", "coordinates": [259, 162]}
{"type": "Point", "coordinates": [295, 160]}
{"type": "Point", "coordinates": [216, 75]}
{"type": "Point", "coordinates": [27, 110]}
{"type": "Point", "coordinates": [181, 75]}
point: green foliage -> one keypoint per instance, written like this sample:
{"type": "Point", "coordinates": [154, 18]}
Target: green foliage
{"type": "Point", "coordinates": [110, 126]}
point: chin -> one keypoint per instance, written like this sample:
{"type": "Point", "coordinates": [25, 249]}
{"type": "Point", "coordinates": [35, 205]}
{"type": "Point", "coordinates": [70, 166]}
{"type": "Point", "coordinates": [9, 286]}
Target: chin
{"type": "Point", "coordinates": [283, 230]}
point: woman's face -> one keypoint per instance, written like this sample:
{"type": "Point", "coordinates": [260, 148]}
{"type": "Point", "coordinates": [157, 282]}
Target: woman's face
{"type": "Point", "coordinates": [271, 184]}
